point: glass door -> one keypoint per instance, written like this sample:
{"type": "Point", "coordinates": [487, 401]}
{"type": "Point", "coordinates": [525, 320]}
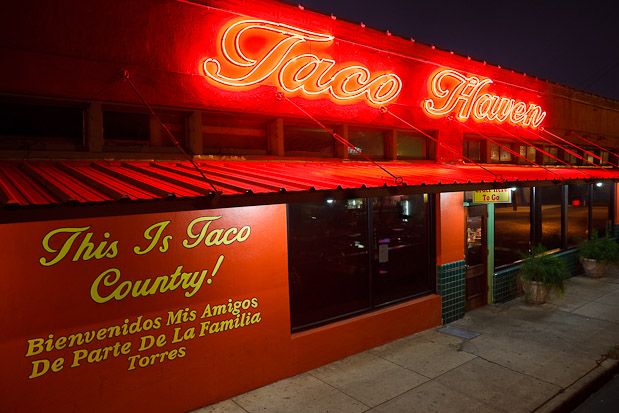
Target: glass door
{"type": "Point", "coordinates": [476, 258]}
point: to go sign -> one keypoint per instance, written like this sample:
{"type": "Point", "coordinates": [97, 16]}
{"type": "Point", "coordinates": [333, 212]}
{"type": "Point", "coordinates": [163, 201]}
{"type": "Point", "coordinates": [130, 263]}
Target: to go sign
{"type": "Point", "coordinates": [493, 196]}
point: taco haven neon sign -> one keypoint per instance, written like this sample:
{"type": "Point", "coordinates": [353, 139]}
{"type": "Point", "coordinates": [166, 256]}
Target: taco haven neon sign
{"type": "Point", "coordinates": [305, 73]}
{"type": "Point", "coordinates": [282, 59]}
{"type": "Point", "coordinates": [454, 93]}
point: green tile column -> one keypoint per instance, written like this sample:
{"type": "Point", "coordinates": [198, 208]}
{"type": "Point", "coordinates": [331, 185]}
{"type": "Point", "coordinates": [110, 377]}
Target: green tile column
{"type": "Point", "coordinates": [452, 288]}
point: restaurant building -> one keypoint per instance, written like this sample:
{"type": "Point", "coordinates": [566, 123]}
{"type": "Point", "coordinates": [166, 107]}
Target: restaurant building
{"type": "Point", "coordinates": [202, 197]}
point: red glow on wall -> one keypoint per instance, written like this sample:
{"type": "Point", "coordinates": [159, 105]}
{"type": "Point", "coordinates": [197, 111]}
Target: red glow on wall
{"type": "Point", "coordinates": [286, 62]}
{"type": "Point", "coordinates": [464, 96]}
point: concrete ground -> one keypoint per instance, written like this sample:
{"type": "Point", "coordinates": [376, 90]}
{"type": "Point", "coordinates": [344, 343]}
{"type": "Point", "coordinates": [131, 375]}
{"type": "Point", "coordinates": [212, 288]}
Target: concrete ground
{"type": "Point", "coordinates": [525, 358]}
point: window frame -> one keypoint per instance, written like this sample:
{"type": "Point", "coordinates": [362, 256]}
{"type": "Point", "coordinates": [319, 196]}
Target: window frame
{"type": "Point", "coordinates": [536, 216]}
{"type": "Point", "coordinates": [430, 226]}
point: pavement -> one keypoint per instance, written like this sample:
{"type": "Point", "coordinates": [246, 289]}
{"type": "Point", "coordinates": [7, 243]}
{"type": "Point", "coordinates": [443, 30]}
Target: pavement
{"type": "Point", "coordinates": [499, 358]}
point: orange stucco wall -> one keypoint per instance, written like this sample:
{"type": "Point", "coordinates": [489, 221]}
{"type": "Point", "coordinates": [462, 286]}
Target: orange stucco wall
{"type": "Point", "coordinates": [163, 312]}
{"type": "Point", "coordinates": [450, 228]}
{"type": "Point", "coordinates": [361, 333]}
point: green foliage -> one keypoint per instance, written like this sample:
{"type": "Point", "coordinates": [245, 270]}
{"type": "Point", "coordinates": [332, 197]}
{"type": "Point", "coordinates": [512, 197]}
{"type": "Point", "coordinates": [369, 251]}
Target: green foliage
{"type": "Point", "coordinates": [600, 249]}
{"type": "Point", "coordinates": [548, 269]}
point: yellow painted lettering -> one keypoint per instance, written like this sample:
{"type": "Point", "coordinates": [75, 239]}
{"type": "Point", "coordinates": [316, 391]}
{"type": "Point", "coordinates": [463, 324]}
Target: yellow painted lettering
{"type": "Point", "coordinates": [153, 234]}
{"type": "Point", "coordinates": [66, 246]}
{"type": "Point", "coordinates": [199, 236]}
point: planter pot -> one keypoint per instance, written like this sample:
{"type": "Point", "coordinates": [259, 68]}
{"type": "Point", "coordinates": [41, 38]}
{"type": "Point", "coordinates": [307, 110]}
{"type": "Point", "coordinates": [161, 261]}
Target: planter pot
{"type": "Point", "coordinates": [535, 292]}
{"type": "Point", "coordinates": [593, 268]}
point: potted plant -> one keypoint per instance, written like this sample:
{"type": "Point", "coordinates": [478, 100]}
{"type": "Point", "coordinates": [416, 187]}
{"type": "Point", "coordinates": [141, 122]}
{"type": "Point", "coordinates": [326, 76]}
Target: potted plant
{"type": "Point", "coordinates": [596, 253]}
{"type": "Point", "coordinates": [541, 273]}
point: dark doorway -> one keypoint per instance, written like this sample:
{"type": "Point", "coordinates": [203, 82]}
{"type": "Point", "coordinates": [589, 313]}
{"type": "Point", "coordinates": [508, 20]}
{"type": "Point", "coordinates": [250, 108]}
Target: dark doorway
{"type": "Point", "coordinates": [476, 258]}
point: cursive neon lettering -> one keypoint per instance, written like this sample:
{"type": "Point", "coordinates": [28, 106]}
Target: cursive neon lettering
{"type": "Point", "coordinates": [453, 92]}
{"type": "Point", "coordinates": [305, 73]}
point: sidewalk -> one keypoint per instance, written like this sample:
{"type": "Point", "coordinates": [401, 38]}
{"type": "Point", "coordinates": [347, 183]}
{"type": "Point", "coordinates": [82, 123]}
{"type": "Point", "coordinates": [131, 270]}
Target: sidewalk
{"type": "Point", "coordinates": [525, 358]}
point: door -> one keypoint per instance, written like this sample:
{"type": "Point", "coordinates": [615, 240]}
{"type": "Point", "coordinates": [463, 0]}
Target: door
{"type": "Point", "coordinates": [476, 257]}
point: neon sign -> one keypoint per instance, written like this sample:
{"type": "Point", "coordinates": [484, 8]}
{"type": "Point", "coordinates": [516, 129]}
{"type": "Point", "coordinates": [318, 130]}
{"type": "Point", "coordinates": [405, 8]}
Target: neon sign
{"type": "Point", "coordinates": [293, 71]}
{"type": "Point", "coordinates": [453, 92]}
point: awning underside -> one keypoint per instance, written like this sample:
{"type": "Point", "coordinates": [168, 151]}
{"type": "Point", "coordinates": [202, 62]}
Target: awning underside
{"type": "Point", "coordinates": [46, 182]}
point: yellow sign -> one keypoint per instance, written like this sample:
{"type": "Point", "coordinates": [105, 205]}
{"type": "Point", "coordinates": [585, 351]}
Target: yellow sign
{"type": "Point", "coordinates": [495, 196]}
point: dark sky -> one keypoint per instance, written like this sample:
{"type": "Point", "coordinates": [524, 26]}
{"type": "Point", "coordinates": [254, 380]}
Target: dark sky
{"type": "Point", "coordinates": [574, 43]}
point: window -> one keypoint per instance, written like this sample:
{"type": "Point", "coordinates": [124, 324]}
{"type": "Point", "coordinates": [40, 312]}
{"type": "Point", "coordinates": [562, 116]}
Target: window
{"type": "Point", "coordinates": [234, 134]}
{"type": "Point", "coordinates": [504, 153]}
{"type": "Point", "coordinates": [571, 156]}
{"type": "Point", "coordinates": [175, 122]}
{"type": "Point", "coordinates": [127, 128]}
{"type": "Point", "coordinates": [604, 156]}
{"type": "Point", "coordinates": [411, 146]}
{"type": "Point", "coordinates": [401, 247]}
{"type": "Point", "coordinates": [303, 140]}
{"type": "Point", "coordinates": [600, 216]}
{"type": "Point", "coordinates": [512, 227]}
{"type": "Point", "coordinates": [588, 155]}
{"type": "Point", "coordinates": [472, 150]}
{"type": "Point", "coordinates": [349, 256]}
{"type": "Point", "coordinates": [550, 198]}
{"type": "Point", "coordinates": [530, 153]}
{"type": "Point", "coordinates": [587, 209]}
{"type": "Point", "coordinates": [500, 152]}
{"type": "Point", "coordinates": [577, 213]}
{"type": "Point", "coordinates": [329, 265]}
{"type": "Point", "coordinates": [40, 126]}
{"type": "Point", "coordinates": [494, 152]}
{"type": "Point", "coordinates": [551, 160]}
{"type": "Point", "coordinates": [369, 143]}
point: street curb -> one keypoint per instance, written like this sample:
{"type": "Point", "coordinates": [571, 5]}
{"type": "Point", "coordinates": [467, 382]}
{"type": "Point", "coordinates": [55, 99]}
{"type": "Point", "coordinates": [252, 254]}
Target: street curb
{"type": "Point", "coordinates": [571, 397]}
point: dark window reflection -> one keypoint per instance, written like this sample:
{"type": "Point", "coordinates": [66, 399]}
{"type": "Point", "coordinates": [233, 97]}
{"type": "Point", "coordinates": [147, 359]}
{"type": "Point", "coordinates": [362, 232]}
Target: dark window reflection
{"type": "Point", "coordinates": [401, 247]}
{"type": "Point", "coordinates": [19, 120]}
{"type": "Point", "coordinates": [531, 153]}
{"type": "Point", "coordinates": [328, 261]}
{"type": "Point", "coordinates": [474, 247]}
{"type": "Point", "coordinates": [369, 143]}
{"type": "Point", "coordinates": [505, 154]}
{"type": "Point", "coordinates": [550, 197]}
{"type": "Point", "coordinates": [600, 220]}
{"type": "Point", "coordinates": [335, 273]}
{"type": "Point", "coordinates": [577, 213]}
{"type": "Point", "coordinates": [411, 146]}
{"type": "Point", "coordinates": [472, 150]}
{"type": "Point", "coordinates": [512, 228]}
{"type": "Point", "coordinates": [126, 126]}
{"type": "Point", "coordinates": [308, 140]}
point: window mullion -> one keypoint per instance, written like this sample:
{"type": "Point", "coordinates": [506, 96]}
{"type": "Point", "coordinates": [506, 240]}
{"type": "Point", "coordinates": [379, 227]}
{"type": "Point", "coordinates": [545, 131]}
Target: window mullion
{"type": "Point", "coordinates": [371, 250]}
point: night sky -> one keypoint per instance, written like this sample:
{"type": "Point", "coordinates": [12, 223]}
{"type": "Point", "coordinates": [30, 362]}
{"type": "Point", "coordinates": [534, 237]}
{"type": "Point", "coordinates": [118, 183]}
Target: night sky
{"type": "Point", "coordinates": [571, 43]}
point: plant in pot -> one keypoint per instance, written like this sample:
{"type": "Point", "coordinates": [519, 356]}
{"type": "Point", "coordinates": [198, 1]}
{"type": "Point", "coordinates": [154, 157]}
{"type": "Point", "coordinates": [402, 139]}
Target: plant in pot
{"type": "Point", "coordinates": [541, 273]}
{"type": "Point", "coordinates": [596, 252]}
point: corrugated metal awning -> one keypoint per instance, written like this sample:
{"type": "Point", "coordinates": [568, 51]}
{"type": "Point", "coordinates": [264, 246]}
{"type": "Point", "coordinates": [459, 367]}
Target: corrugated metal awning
{"type": "Point", "coordinates": [37, 182]}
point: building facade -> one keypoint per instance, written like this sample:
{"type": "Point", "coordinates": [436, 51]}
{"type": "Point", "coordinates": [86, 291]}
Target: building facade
{"type": "Point", "coordinates": [202, 197]}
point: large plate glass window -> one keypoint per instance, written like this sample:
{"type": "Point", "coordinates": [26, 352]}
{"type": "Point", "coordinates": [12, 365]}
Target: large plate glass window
{"type": "Point", "coordinates": [401, 247]}
{"type": "Point", "coordinates": [512, 227]}
{"type": "Point", "coordinates": [349, 256]}
{"type": "Point", "coordinates": [600, 217]}
{"type": "Point", "coordinates": [550, 197]}
{"type": "Point", "coordinates": [577, 213]}
{"type": "Point", "coordinates": [328, 260]}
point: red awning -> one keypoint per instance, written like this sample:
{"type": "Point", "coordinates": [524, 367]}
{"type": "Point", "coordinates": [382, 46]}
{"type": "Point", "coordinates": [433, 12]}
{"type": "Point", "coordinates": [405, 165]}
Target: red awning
{"type": "Point", "coordinates": [53, 182]}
